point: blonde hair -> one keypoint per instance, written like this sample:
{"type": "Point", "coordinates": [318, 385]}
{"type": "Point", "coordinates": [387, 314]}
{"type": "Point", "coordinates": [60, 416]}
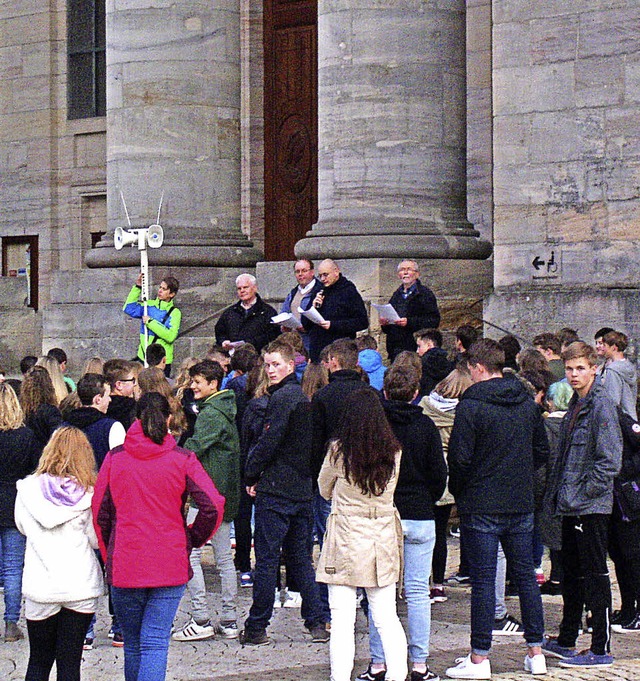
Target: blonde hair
{"type": "Point", "coordinates": [69, 454]}
{"type": "Point", "coordinates": [153, 380]}
{"type": "Point", "coordinates": [11, 414]}
{"type": "Point", "coordinates": [55, 373]}
{"type": "Point", "coordinates": [454, 384]}
{"type": "Point", "coordinates": [93, 366]}
{"type": "Point", "coordinates": [315, 377]}
{"type": "Point", "coordinates": [183, 381]}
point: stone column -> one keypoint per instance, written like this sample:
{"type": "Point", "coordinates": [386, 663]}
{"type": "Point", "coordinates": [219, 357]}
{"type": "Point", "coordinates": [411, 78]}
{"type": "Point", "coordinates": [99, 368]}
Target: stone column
{"type": "Point", "coordinates": [173, 126]}
{"type": "Point", "coordinates": [392, 132]}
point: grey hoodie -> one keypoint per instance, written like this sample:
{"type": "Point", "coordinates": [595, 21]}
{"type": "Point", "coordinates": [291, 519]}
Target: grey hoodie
{"type": "Point", "coordinates": [621, 383]}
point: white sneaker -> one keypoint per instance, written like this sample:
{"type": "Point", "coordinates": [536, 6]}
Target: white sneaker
{"type": "Point", "coordinates": [192, 631]}
{"type": "Point", "coordinates": [536, 664]}
{"type": "Point", "coordinates": [292, 599]}
{"type": "Point", "coordinates": [466, 669]}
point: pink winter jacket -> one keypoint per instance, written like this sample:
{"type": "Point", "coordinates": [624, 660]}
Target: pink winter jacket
{"type": "Point", "coordinates": [138, 511]}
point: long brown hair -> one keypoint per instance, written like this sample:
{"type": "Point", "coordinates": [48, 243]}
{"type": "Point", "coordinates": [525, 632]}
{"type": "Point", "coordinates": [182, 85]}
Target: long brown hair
{"type": "Point", "coordinates": [37, 389]}
{"type": "Point", "coordinates": [366, 442]}
{"type": "Point", "coordinates": [153, 379]}
{"type": "Point", "coordinates": [69, 454]}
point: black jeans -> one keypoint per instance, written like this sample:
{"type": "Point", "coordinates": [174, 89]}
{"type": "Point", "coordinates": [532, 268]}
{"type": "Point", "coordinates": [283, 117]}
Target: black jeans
{"type": "Point", "coordinates": [242, 525]}
{"type": "Point", "coordinates": [624, 549]}
{"type": "Point", "coordinates": [439, 560]}
{"type": "Point", "coordinates": [58, 639]}
{"type": "Point", "coordinates": [586, 580]}
{"type": "Point", "coordinates": [282, 523]}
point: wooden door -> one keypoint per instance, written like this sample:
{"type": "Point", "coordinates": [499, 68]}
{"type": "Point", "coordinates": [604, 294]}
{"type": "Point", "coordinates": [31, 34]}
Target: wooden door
{"type": "Point", "coordinates": [291, 123]}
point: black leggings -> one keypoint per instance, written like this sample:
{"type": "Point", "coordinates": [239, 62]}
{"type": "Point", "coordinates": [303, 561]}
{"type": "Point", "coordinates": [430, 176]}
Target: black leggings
{"type": "Point", "coordinates": [58, 639]}
{"type": "Point", "coordinates": [439, 561]}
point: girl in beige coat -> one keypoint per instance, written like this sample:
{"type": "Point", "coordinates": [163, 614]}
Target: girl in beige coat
{"type": "Point", "coordinates": [363, 542]}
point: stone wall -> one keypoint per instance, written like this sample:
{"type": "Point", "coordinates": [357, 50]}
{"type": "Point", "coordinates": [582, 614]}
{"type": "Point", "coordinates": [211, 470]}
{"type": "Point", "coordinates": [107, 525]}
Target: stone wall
{"type": "Point", "coordinates": [566, 91]}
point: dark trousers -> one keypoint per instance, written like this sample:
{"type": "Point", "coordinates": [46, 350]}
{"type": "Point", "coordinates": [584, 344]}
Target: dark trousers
{"type": "Point", "coordinates": [586, 580]}
{"type": "Point", "coordinates": [624, 549]}
{"type": "Point", "coordinates": [58, 639]}
{"type": "Point", "coordinates": [464, 553]}
{"type": "Point", "coordinates": [279, 523]}
{"type": "Point", "coordinates": [439, 560]}
{"type": "Point", "coordinates": [242, 525]}
{"type": "Point", "coordinates": [514, 531]}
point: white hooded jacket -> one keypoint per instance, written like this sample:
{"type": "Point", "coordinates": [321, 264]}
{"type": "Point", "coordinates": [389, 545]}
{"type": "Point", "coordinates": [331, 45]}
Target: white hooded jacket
{"type": "Point", "coordinates": [60, 561]}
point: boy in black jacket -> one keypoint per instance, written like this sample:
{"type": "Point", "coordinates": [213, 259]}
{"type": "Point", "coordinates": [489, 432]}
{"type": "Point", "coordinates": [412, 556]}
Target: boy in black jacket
{"type": "Point", "coordinates": [497, 441]}
{"type": "Point", "coordinates": [278, 474]}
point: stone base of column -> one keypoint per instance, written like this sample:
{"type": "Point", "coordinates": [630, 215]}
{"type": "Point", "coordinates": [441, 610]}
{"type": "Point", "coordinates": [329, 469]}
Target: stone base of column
{"type": "Point", "coordinates": [237, 253]}
{"type": "Point", "coordinates": [528, 311]}
{"type": "Point", "coordinates": [350, 234]}
{"type": "Point", "coordinates": [459, 285]}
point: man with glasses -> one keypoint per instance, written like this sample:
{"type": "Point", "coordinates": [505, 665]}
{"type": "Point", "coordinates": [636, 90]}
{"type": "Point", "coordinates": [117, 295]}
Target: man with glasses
{"type": "Point", "coordinates": [122, 379]}
{"type": "Point", "coordinates": [416, 306]}
{"type": "Point", "coordinates": [341, 307]}
{"type": "Point", "coordinates": [302, 295]}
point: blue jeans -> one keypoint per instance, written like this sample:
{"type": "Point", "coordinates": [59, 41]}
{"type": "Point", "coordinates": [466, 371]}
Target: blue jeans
{"type": "Point", "coordinates": [146, 616]}
{"type": "Point", "coordinates": [282, 523]}
{"type": "Point", "coordinates": [321, 511]}
{"type": "Point", "coordinates": [419, 540]}
{"type": "Point", "coordinates": [514, 531]}
{"type": "Point", "coordinates": [12, 545]}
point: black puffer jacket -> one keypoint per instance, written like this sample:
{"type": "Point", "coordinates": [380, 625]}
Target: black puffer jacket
{"type": "Point", "coordinates": [498, 440]}
{"type": "Point", "coordinates": [435, 367]}
{"type": "Point", "coordinates": [280, 461]}
{"type": "Point", "coordinates": [344, 308]}
{"type": "Point", "coordinates": [253, 326]}
{"type": "Point", "coordinates": [43, 421]}
{"type": "Point", "coordinates": [423, 471]}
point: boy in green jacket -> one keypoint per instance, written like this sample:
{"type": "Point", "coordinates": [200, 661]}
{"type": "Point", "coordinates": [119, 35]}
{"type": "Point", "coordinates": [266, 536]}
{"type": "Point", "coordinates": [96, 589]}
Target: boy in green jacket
{"type": "Point", "coordinates": [216, 443]}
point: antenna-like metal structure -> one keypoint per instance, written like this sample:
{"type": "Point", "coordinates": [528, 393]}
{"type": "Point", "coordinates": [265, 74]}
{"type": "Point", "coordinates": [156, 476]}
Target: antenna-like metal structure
{"type": "Point", "coordinates": [151, 236]}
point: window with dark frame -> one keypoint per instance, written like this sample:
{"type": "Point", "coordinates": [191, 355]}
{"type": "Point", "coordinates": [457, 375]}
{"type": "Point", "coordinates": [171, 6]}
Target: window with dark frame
{"type": "Point", "coordinates": [86, 59]}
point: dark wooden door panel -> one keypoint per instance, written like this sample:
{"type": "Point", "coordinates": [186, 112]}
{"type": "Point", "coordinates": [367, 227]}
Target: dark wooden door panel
{"type": "Point", "coordinates": [291, 129]}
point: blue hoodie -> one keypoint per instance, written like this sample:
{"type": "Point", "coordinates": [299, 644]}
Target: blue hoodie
{"type": "Point", "coordinates": [371, 362]}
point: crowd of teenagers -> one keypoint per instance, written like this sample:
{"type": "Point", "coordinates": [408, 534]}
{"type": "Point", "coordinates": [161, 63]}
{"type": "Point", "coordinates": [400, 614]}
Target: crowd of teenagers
{"type": "Point", "coordinates": [115, 484]}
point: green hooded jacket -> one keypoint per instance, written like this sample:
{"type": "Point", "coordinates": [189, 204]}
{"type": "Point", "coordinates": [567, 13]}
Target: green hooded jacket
{"type": "Point", "coordinates": [216, 443]}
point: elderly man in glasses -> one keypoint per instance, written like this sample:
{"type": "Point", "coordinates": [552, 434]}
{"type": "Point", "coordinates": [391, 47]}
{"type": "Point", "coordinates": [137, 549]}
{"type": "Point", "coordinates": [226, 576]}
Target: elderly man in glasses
{"type": "Point", "coordinates": [302, 295]}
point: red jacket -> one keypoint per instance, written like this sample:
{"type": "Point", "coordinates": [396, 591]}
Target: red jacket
{"type": "Point", "coordinates": [138, 507]}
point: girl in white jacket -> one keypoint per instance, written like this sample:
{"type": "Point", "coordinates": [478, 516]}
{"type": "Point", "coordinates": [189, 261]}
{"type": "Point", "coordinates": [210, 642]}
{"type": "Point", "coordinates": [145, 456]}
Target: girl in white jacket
{"type": "Point", "coordinates": [62, 578]}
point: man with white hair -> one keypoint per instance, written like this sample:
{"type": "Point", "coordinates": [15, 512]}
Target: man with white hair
{"type": "Point", "coordinates": [416, 306]}
{"type": "Point", "coordinates": [249, 319]}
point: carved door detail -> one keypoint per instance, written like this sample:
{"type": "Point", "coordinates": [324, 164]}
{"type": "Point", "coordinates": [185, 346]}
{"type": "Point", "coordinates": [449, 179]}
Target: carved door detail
{"type": "Point", "coordinates": [291, 124]}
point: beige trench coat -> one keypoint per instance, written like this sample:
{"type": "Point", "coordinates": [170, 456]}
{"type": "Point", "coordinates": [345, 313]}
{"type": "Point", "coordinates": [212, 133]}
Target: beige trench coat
{"type": "Point", "coordinates": [363, 542]}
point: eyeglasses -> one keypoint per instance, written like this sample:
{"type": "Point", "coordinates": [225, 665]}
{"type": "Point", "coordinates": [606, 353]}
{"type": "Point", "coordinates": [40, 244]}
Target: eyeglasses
{"type": "Point", "coordinates": [324, 275]}
{"type": "Point", "coordinates": [407, 269]}
{"type": "Point", "coordinates": [128, 380]}
{"type": "Point", "coordinates": [302, 271]}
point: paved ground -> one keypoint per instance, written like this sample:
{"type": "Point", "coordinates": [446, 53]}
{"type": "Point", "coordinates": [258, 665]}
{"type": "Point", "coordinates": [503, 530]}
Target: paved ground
{"type": "Point", "coordinates": [292, 657]}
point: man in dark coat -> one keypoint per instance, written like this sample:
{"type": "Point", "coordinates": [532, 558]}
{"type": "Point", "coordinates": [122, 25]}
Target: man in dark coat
{"type": "Point", "coordinates": [497, 442]}
{"type": "Point", "coordinates": [340, 305]}
{"type": "Point", "coordinates": [249, 319]}
{"type": "Point", "coordinates": [416, 306]}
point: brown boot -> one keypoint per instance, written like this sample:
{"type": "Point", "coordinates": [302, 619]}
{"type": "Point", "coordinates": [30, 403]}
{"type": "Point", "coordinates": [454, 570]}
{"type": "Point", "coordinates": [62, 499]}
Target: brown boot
{"type": "Point", "coordinates": [12, 632]}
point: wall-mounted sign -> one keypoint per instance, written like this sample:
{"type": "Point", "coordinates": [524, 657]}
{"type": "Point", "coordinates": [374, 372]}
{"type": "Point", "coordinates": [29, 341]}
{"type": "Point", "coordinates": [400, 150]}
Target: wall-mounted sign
{"type": "Point", "coordinates": [546, 264]}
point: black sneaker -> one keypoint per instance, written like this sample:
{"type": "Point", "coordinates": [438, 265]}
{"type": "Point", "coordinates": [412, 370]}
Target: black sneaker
{"type": "Point", "coordinates": [371, 676]}
{"type": "Point", "coordinates": [424, 676]}
{"type": "Point", "coordinates": [507, 626]}
{"type": "Point", "coordinates": [253, 638]}
{"type": "Point", "coordinates": [550, 588]}
{"type": "Point", "coordinates": [621, 617]}
{"type": "Point", "coordinates": [631, 627]}
{"type": "Point", "coordinates": [319, 633]}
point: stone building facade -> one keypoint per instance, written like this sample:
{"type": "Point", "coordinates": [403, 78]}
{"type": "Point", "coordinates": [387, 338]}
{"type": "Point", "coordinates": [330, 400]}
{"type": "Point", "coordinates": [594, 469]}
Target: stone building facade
{"type": "Point", "coordinates": [494, 141]}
